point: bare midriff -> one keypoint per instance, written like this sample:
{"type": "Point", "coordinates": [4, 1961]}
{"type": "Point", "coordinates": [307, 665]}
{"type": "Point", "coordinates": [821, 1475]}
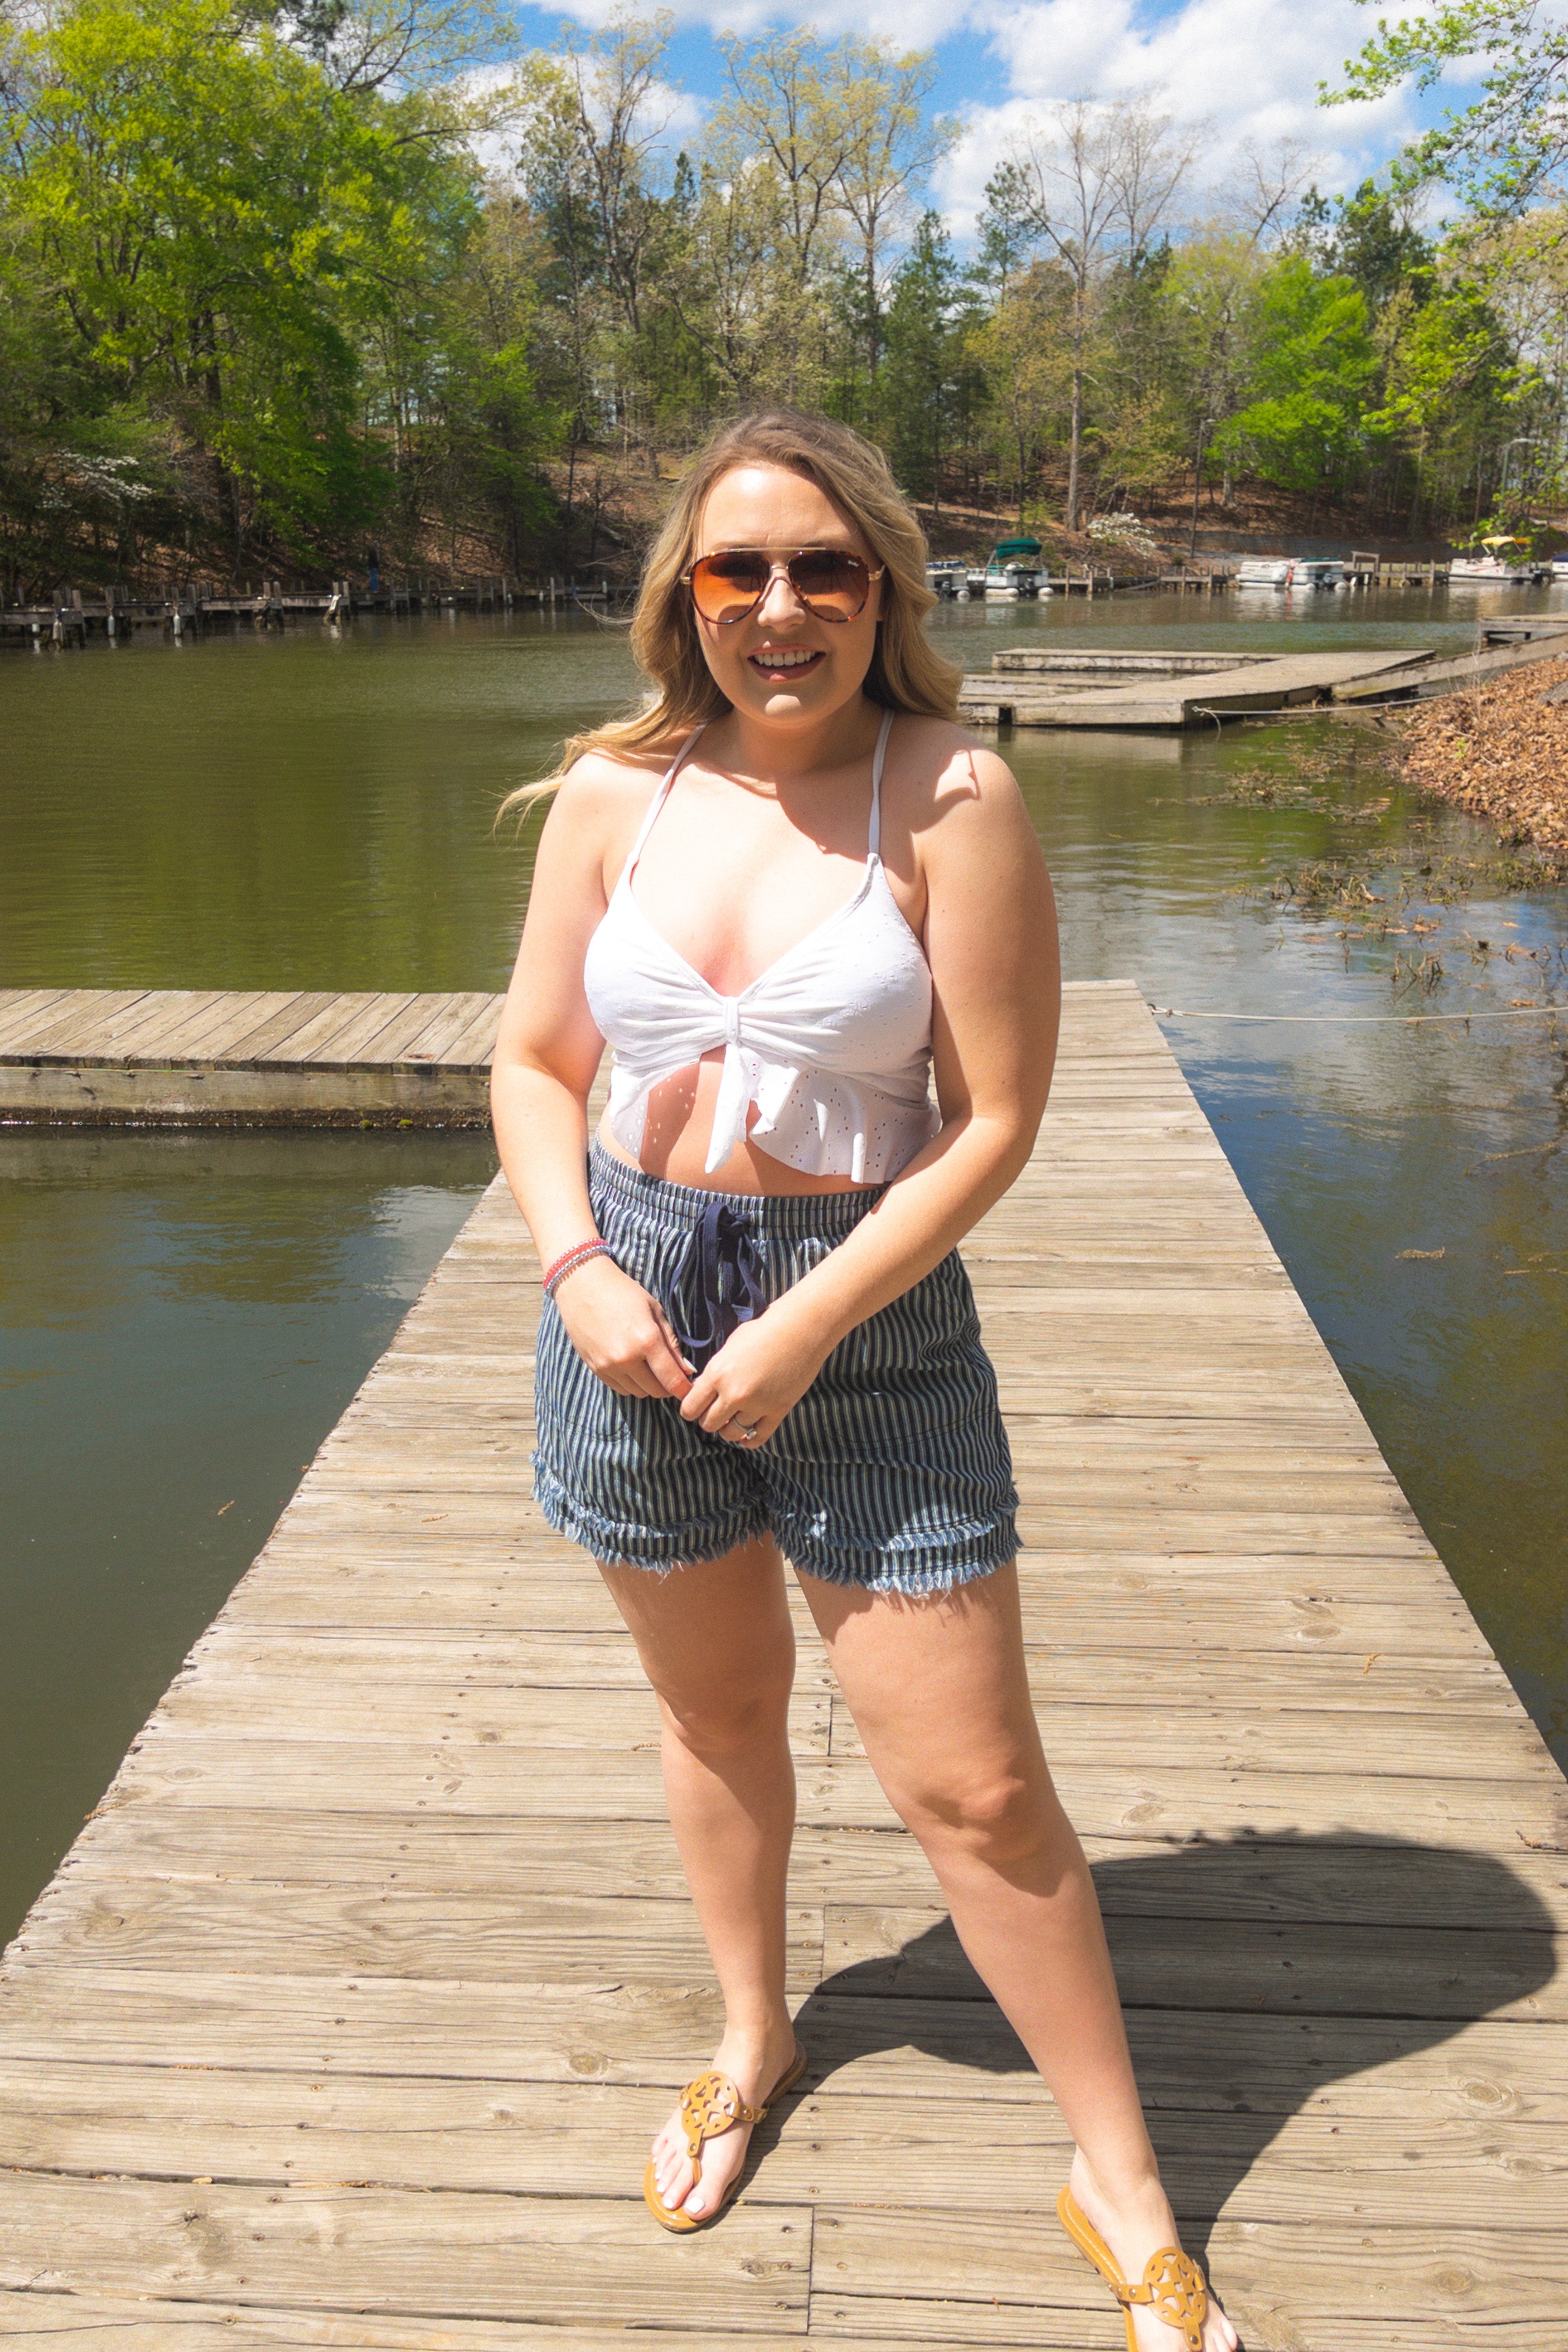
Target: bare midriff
{"type": "Point", "coordinates": [675, 1142]}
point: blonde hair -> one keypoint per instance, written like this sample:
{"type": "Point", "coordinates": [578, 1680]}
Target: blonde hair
{"type": "Point", "coordinates": [906, 672]}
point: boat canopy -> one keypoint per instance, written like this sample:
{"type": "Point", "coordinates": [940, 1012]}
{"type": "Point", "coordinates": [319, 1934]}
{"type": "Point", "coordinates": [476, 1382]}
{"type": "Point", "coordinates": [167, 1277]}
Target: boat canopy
{"type": "Point", "coordinates": [1008, 547]}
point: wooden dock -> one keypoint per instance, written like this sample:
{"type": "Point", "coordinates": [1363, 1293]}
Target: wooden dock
{"type": "Point", "coordinates": [1107, 688]}
{"type": "Point", "coordinates": [1139, 689]}
{"type": "Point", "coordinates": [224, 1057]}
{"type": "Point", "coordinates": [67, 618]}
{"type": "Point", "coordinates": [1543, 639]}
{"type": "Point", "coordinates": [348, 2016]}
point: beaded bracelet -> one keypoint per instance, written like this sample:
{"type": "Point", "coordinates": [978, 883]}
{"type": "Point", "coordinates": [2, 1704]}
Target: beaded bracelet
{"type": "Point", "coordinates": [569, 1260]}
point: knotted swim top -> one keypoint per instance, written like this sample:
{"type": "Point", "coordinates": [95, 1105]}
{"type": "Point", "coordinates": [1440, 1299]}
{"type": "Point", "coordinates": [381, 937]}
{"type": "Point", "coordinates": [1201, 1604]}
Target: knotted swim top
{"type": "Point", "coordinates": [832, 1042]}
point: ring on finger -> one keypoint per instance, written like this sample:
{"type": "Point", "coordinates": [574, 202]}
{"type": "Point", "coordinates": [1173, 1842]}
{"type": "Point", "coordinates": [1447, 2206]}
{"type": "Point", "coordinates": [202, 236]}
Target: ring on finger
{"type": "Point", "coordinates": [747, 1428]}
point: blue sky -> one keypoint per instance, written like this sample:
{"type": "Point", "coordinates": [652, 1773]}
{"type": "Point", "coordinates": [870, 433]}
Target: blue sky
{"type": "Point", "coordinates": [1241, 70]}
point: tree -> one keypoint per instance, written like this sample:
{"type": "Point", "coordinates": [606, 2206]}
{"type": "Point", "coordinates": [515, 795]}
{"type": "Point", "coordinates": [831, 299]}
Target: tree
{"type": "Point", "coordinates": [821, 146]}
{"type": "Point", "coordinates": [782, 113]}
{"type": "Point", "coordinates": [484, 424]}
{"type": "Point", "coordinates": [739, 305]}
{"type": "Point", "coordinates": [928, 375]}
{"type": "Point", "coordinates": [1501, 152]}
{"type": "Point", "coordinates": [888, 149]}
{"type": "Point", "coordinates": [1523, 266]}
{"type": "Point", "coordinates": [1094, 184]}
{"type": "Point", "coordinates": [1210, 298]}
{"type": "Point", "coordinates": [1315, 361]}
{"type": "Point", "coordinates": [1266, 187]}
{"type": "Point", "coordinates": [1032, 352]}
{"type": "Point", "coordinates": [386, 46]}
{"type": "Point", "coordinates": [221, 226]}
{"type": "Point", "coordinates": [1372, 239]}
{"type": "Point", "coordinates": [1446, 363]}
{"type": "Point", "coordinates": [590, 152]}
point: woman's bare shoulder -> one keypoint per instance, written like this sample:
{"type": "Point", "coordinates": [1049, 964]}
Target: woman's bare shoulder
{"type": "Point", "coordinates": [945, 768]}
{"type": "Point", "coordinates": [602, 792]}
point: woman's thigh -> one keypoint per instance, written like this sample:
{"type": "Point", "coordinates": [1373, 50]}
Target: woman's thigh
{"type": "Point", "coordinates": [716, 1638]}
{"type": "Point", "coordinates": [939, 1691]}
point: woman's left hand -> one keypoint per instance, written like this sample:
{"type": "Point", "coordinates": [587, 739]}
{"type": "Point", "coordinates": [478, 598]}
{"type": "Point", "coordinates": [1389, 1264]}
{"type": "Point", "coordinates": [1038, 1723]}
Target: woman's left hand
{"type": "Point", "coordinates": [763, 1369]}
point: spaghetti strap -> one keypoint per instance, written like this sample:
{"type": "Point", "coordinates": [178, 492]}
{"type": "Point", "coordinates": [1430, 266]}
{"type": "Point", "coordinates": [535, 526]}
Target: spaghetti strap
{"type": "Point", "coordinates": [657, 802]}
{"type": "Point", "coordinates": [873, 835]}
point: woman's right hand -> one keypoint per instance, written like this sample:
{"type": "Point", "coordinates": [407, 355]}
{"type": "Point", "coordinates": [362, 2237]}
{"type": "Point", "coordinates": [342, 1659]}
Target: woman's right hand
{"type": "Point", "coordinates": [621, 1333]}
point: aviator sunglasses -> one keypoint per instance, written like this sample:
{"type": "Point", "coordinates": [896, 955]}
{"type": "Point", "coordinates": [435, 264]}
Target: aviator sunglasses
{"type": "Point", "coordinates": [831, 583]}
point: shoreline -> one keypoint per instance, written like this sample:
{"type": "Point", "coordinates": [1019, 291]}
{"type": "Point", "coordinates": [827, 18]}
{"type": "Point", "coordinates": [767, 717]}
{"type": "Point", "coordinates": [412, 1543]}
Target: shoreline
{"type": "Point", "coordinates": [1499, 751]}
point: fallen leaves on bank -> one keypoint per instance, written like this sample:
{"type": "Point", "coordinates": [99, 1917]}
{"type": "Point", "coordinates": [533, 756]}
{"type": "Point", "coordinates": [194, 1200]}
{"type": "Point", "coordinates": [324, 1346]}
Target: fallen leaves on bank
{"type": "Point", "coordinates": [1499, 751]}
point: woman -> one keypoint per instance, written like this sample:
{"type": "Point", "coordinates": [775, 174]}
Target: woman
{"type": "Point", "coordinates": [785, 892]}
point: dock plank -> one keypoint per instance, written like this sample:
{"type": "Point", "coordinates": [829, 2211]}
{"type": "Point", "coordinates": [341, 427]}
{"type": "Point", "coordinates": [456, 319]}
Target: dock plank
{"type": "Point", "coordinates": [829, 2147]}
{"type": "Point", "coordinates": [1323, 1879]}
{"type": "Point", "coordinates": [78, 1012]}
{"type": "Point", "coordinates": [194, 1058]}
{"type": "Point", "coordinates": [22, 1011]}
{"type": "Point", "coordinates": [346, 2018]}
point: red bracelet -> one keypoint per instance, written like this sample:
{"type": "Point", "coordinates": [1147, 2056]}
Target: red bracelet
{"type": "Point", "coordinates": [569, 1260]}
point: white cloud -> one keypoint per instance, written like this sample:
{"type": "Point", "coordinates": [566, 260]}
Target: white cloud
{"type": "Point", "coordinates": [1245, 69]}
{"type": "Point", "coordinates": [675, 116]}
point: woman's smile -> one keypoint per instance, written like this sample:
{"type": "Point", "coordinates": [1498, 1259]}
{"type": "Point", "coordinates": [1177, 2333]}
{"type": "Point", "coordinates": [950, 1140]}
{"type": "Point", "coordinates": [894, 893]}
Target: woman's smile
{"type": "Point", "coordinates": [786, 661]}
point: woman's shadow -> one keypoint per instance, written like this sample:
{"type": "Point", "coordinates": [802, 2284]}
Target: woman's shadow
{"type": "Point", "coordinates": [1255, 1973]}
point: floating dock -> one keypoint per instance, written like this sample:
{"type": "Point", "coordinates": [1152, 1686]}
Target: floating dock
{"type": "Point", "coordinates": [1092, 687]}
{"type": "Point", "coordinates": [258, 1057]}
{"type": "Point", "coordinates": [346, 2017]}
{"type": "Point", "coordinates": [1067, 685]}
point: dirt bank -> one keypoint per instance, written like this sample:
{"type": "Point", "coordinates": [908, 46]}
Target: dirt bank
{"type": "Point", "coordinates": [1501, 753]}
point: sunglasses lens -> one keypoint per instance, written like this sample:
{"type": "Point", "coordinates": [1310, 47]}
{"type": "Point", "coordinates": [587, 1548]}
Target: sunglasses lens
{"type": "Point", "coordinates": [831, 582]}
{"type": "Point", "coordinates": [725, 587]}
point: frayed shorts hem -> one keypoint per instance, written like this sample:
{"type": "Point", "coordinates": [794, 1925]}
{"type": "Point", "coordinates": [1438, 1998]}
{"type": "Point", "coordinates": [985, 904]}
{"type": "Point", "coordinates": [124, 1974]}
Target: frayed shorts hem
{"type": "Point", "coordinates": [607, 1542]}
{"type": "Point", "coordinates": [868, 1572]}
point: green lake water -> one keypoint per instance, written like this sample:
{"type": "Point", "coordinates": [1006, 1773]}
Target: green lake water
{"type": "Point", "coordinates": [183, 1316]}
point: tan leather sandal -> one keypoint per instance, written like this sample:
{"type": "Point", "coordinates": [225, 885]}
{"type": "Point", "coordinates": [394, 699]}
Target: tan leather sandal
{"type": "Point", "coordinates": [710, 2107]}
{"type": "Point", "coordinates": [1172, 2282]}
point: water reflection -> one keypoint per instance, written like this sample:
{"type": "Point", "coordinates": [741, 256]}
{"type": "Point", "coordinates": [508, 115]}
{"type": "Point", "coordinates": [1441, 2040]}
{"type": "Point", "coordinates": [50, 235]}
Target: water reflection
{"type": "Point", "coordinates": [181, 1319]}
{"type": "Point", "coordinates": [294, 811]}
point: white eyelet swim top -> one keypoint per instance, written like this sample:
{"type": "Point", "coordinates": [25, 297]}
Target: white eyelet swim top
{"type": "Point", "coordinates": [832, 1042]}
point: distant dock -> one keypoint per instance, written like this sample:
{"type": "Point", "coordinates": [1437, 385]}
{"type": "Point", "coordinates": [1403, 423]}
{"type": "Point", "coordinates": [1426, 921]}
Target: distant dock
{"type": "Point", "coordinates": [1063, 685]}
{"type": "Point", "coordinates": [70, 617]}
{"type": "Point", "coordinates": [346, 2020]}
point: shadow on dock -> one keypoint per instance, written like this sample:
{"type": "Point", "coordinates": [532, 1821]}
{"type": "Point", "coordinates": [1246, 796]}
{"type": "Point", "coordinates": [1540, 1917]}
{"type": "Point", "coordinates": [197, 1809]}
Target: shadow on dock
{"type": "Point", "coordinates": [1381, 1950]}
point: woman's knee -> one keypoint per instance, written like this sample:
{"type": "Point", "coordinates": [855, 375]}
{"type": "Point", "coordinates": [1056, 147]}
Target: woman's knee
{"type": "Point", "coordinates": [1003, 1812]}
{"type": "Point", "coordinates": [729, 1713]}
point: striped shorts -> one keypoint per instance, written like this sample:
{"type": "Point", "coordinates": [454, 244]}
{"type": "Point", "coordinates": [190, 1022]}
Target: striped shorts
{"type": "Point", "coordinates": [891, 1473]}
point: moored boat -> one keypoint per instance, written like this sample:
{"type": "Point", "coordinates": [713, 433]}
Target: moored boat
{"type": "Point", "coordinates": [1501, 561]}
{"type": "Point", "coordinates": [1291, 571]}
{"type": "Point", "coordinates": [948, 578]}
{"type": "Point", "coordinates": [1011, 571]}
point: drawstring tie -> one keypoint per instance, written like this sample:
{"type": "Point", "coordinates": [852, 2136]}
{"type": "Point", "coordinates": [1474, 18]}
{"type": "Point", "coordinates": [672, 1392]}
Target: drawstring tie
{"type": "Point", "coordinates": [718, 1285]}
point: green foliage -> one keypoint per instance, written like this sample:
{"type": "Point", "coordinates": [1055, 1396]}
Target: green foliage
{"type": "Point", "coordinates": [1314, 363]}
{"type": "Point", "coordinates": [257, 295]}
{"type": "Point", "coordinates": [930, 385]}
{"type": "Point", "coordinates": [226, 250]}
{"type": "Point", "coordinates": [1370, 240]}
{"type": "Point", "coordinates": [1500, 153]}
{"type": "Point", "coordinates": [218, 224]}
